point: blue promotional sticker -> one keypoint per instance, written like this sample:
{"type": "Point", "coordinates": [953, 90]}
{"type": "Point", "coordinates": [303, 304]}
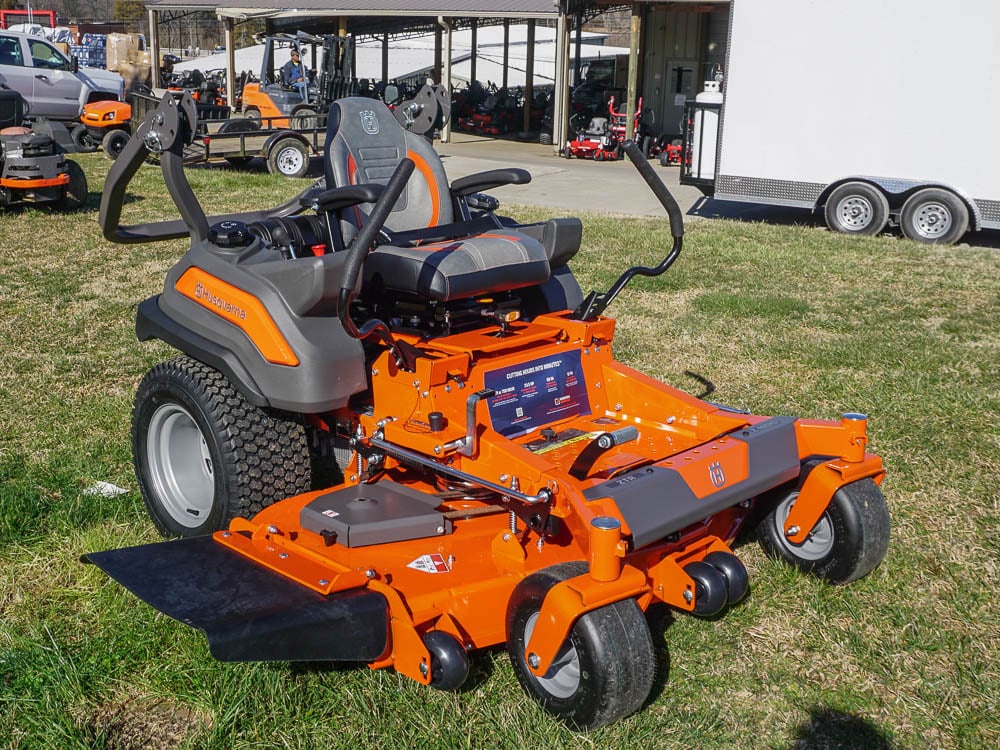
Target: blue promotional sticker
{"type": "Point", "coordinates": [532, 394]}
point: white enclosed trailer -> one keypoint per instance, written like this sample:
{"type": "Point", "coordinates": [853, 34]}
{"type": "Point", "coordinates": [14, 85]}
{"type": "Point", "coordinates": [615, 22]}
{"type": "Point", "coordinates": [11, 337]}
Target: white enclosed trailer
{"type": "Point", "coordinates": [875, 111]}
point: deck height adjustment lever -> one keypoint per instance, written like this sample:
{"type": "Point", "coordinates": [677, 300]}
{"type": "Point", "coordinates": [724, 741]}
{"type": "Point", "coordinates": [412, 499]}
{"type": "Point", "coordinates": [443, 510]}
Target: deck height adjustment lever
{"type": "Point", "coordinates": [598, 447]}
{"type": "Point", "coordinates": [467, 445]}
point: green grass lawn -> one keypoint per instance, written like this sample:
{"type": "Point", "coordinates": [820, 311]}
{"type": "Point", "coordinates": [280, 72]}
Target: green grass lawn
{"type": "Point", "coordinates": [782, 320]}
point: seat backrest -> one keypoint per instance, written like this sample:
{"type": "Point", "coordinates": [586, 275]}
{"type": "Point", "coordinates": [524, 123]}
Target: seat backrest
{"type": "Point", "coordinates": [364, 143]}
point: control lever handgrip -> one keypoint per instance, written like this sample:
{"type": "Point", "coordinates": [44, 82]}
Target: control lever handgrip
{"type": "Point", "coordinates": [365, 238]}
{"type": "Point", "coordinates": [663, 195]}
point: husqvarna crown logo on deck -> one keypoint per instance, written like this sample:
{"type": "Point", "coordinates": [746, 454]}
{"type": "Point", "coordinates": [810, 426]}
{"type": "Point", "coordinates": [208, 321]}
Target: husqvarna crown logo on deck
{"type": "Point", "coordinates": [369, 121]}
{"type": "Point", "coordinates": [716, 474]}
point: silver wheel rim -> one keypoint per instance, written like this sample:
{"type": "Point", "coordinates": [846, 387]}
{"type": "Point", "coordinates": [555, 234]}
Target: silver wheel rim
{"type": "Point", "coordinates": [563, 678]}
{"type": "Point", "coordinates": [932, 220]}
{"type": "Point", "coordinates": [180, 465]}
{"type": "Point", "coordinates": [289, 160]}
{"type": "Point", "coordinates": [817, 545]}
{"type": "Point", "coordinates": [855, 212]}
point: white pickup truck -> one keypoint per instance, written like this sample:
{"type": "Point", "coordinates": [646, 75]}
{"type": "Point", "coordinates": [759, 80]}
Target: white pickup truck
{"type": "Point", "coordinates": [53, 84]}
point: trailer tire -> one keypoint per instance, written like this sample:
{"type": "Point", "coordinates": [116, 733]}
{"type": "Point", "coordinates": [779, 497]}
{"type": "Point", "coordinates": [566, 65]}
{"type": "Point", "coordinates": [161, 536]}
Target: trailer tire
{"type": "Point", "coordinates": [114, 143]}
{"type": "Point", "coordinates": [603, 672]}
{"type": "Point", "coordinates": [74, 193]}
{"type": "Point", "coordinates": [934, 216]}
{"type": "Point", "coordinates": [81, 138]}
{"type": "Point", "coordinates": [289, 158]}
{"type": "Point", "coordinates": [203, 454]}
{"type": "Point", "coordinates": [847, 543]}
{"type": "Point", "coordinates": [857, 208]}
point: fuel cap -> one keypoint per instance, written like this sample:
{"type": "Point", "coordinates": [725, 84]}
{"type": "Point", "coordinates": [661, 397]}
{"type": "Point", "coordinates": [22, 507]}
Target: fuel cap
{"type": "Point", "coordinates": [230, 234]}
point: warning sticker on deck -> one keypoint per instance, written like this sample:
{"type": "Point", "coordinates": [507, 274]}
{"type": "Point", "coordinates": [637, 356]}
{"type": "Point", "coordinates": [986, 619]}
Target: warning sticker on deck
{"type": "Point", "coordinates": [433, 563]}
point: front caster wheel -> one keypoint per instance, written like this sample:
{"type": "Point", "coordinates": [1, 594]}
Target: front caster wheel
{"type": "Point", "coordinates": [711, 592]}
{"type": "Point", "coordinates": [203, 454]}
{"type": "Point", "coordinates": [449, 660]}
{"type": "Point", "coordinates": [603, 672]}
{"type": "Point", "coordinates": [847, 543]}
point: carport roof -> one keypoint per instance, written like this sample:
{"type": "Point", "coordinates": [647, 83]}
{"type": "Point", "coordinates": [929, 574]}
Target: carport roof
{"type": "Point", "coordinates": [315, 8]}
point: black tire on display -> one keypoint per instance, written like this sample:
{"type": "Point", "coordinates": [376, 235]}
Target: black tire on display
{"type": "Point", "coordinates": [81, 137]}
{"type": "Point", "coordinates": [857, 208]}
{"type": "Point", "coordinates": [203, 454]}
{"type": "Point", "coordinates": [847, 543]}
{"type": "Point", "coordinates": [603, 672]}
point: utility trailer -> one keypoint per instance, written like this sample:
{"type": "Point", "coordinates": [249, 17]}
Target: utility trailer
{"type": "Point", "coordinates": [878, 113]}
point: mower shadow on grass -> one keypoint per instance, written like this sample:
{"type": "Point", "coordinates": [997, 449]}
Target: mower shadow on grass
{"type": "Point", "coordinates": [833, 729]}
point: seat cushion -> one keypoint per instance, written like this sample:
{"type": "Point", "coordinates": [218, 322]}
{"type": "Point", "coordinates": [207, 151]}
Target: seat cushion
{"type": "Point", "coordinates": [483, 264]}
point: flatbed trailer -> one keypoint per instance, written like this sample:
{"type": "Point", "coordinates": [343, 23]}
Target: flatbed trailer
{"type": "Point", "coordinates": [286, 151]}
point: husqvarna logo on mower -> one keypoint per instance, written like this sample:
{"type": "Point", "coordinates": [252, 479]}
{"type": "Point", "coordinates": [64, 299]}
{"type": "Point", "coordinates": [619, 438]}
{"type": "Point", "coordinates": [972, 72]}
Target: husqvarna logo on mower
{"type": "Point", "coordinates": [716, 474]}
{"type": "Point", "coordinates": [369, 121]}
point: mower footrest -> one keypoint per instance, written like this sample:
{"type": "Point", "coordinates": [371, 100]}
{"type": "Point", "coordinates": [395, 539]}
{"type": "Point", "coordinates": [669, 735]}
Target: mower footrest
{"type": "Point", "coordinates": [247, 612]}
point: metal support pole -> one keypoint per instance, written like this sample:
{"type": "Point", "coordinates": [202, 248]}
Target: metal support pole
{"type": "Point", "coordinates": [529, 74]}
{"type": "Point", "coordinates": [633, 70]}
{"type": "Point", "coordinates": [559, 86]}
{"type": "Point", "coordinates": [506, 50]}
{"type": "Point", "coordinates": [154, 46]}
{"type": "Point", "coordinates": [579, 42]}
{"type": "Point", "coordinates": [472, 56]}
{"type": "Point", "coordinates": [437, 50]}
{"type": "Point", "coordinates": [228, 37]}
{"type": "Point", "coordinates": [446, 76]}
{"type": "Point", "coordinates": [385, 58]}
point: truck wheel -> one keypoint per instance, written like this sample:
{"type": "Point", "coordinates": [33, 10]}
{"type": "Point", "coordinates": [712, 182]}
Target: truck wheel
{"type": "Point", "coordinates": [847, 543]}
{"type": "Point", "coordinates": [75, 192]}
{"type": "Point", "coordinates": [288, 158]}
{"type": "Point", "coordinates": [603, 672]}
{"type": "Point", "coordinates": [934, 216]}
{"type": "Point", "coordinates": [203, 454]}
{"type": "Point", "coordinates": [114, 143]}
{"type": "Point", "coordinates": [81, 138]}
{"type": "Point", "coordinates": [857, 208]}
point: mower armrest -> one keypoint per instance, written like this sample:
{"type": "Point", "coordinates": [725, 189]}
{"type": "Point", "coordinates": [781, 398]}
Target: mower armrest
{"type": "Point", "coordinates": [476, 183]}
{"type": "Point", "coordinates": [337, 198]}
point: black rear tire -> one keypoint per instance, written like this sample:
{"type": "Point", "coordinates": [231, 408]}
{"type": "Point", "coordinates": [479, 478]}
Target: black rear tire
{"type": "Point", "coordinates": [203, 454]}
{"type": "Point", "coordinates": [847, 543]}
{"type": "Point", "coordinates": [81, 138]}
{"type": "Point", "coordinates": [604, 671]}
{"type": "Point", "coordinates": [114, 143]}
{"type": "Point", "coordinates": [75, 192]}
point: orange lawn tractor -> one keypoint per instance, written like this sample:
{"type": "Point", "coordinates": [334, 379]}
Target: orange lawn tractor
{"type": "Point", "coordinates": [105, 124]}
{"type": "Point", "coordinates": [396, 433]}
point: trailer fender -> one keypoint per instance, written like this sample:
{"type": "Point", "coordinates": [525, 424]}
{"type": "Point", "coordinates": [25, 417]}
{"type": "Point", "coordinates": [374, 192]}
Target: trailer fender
{"type": "Point", "coordinates": [280, 135]}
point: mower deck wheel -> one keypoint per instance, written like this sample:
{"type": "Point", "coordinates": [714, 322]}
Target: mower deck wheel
{"type": "Point", "coordinates": [847, 543]}
{"type": "Point", "coordinates": [75, 192]}
{"type": "Point", "coordinates": [711, 592]}
{"type": "Point", "coordinates": [734, 571]}
{"type": "Point", "coordinates": [603, 672]}
{"type": "Point", "coordinates": [449, 660]}
{"type": "Point", "coordinates": [114, 143]}
{"type": "Point", "coordinates": [203, 454]}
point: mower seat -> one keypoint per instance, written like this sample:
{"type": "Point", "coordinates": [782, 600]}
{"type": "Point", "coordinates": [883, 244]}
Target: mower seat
{"type": "Point", "coordinates": [427, 253]}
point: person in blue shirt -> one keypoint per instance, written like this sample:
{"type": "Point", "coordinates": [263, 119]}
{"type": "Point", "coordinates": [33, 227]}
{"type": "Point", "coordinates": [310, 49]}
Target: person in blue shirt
{"type": "Point", "coordinates": [293, 75]}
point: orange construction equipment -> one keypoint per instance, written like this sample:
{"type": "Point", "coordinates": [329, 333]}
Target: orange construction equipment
{"type": "Point", "coordinates": [397, 433]}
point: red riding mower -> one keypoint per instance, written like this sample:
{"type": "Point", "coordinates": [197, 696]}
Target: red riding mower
{"type": "Point", "coordinates": [497, 476]}
{"type": "Point", "coordinates": [603, 138]}
{"type": "Point", "coordinates": [33, 166]}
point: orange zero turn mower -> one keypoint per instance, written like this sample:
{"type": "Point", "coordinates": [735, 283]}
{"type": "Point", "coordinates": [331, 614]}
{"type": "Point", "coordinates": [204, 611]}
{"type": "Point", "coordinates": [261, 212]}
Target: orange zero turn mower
{"type": "Point", "coordinates": [396, 433]}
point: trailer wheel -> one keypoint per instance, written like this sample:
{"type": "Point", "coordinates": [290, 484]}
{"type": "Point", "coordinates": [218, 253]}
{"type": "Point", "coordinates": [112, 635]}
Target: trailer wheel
{"type": "Point", "coordinates": [84, 143]}
{"type": "Point", "coordinates": [74, 193]}
{"type": "Point", "coordinates": [847, 543]}
{"type": "Point", "coordinates": [603, 672]}
{"type": "Point", "coordinates": [934, 216]}
{"type": "Point", "coordinates": [857, 208]}
{"type": "Point", "coordinates": [288, 158]}
{"type": "Point", "coordinates": [203, 454]}
{"type": "Point", "coordinates": [114, 143]}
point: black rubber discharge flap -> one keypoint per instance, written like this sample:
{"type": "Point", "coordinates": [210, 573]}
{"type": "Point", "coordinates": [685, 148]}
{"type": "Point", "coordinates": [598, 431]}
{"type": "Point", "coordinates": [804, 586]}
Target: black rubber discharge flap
{"type": "Point", "coordinates": [247, 612]}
